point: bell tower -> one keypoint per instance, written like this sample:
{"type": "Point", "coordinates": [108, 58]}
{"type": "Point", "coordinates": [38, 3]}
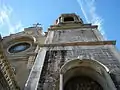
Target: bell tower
{"type": "Point", "coordinates": [75, 56]}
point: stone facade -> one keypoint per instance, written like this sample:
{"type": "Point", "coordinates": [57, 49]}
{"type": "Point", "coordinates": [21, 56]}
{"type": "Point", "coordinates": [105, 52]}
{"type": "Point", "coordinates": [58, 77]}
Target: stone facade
{"type": "Point", "coordinates": [7, 76]}
{"type": "Point", "coordinates": [73, 50]}
{"type": "Point", "coordinates": [22, 60]}
{"type": "Point", "coordinates": [70, 56]}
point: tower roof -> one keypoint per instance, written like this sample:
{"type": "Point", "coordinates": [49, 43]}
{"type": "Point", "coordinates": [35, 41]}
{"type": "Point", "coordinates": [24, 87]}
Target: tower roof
{"type": "Point", "coordinates": [69, 18]}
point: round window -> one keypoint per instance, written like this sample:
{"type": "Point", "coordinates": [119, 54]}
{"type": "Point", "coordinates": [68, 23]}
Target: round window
{"type": "Point", "coordinates": [19, 47]}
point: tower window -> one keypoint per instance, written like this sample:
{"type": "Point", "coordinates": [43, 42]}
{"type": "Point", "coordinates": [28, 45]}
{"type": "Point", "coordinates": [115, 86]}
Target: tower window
{"type": "Point", "coordinates": [66, 19]}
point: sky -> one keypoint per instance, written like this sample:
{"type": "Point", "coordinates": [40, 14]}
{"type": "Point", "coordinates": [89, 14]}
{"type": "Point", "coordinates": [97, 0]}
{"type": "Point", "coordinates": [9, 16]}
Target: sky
{"type": "Point", "coordinates": [15, 15]}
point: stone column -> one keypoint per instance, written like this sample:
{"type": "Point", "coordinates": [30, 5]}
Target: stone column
{"type": "Point", "coordinates": [62, 19]}
{"type": "Point", "coordinates": [61, 82]}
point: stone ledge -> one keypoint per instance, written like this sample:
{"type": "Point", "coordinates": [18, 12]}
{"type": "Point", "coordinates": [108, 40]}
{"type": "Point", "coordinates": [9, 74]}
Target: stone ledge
{"type": "Point", "coordinates": [57, 27]}
{"type": "Point", "coordinates": [113, 42]}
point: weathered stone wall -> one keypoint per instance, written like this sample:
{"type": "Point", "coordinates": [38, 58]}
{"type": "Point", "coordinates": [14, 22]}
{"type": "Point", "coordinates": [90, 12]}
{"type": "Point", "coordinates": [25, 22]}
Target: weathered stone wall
{"type": "Point", "coordinates": [57, 56]}
{"type": "Point", "coordinates": [7, 76]}
{"type": "Point", "coordinates": [22, 62]}
{"type": "Point", "coordinates": [46, 69]}
{"type": "Point", "coordinates": [74, 35]}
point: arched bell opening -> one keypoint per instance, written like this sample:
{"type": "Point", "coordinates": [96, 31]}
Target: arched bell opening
{"type": "Point", "coordinates": [85, 75]}
{"type": "Point", "coordinates": [68, 19]}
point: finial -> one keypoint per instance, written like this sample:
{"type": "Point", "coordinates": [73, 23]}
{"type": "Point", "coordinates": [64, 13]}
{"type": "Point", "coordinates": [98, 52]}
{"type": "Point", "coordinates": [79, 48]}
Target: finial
{"type": "Point", "coordinates": [36, 25]}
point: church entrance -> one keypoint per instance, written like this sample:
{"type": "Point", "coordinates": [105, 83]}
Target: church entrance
{"type": "Point", "coordinates": [85, 75]}
{"type": "Point", "coordinates": [82, 83]}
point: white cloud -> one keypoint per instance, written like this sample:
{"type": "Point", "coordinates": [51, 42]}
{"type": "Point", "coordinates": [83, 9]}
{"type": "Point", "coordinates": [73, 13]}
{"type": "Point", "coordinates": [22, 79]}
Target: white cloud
{"type": "Point", "coordinates": [17, 27]}
{"type": "Point", "coordinates": [88, 9]}
{"type": "Point", "coordinates": [4, 14]}
{"type": "Point", "coordinates": [6, 21]}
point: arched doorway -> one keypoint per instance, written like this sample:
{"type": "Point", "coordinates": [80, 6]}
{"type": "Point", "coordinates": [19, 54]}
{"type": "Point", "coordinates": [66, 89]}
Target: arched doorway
{"type": "Point", "coordinates": [82, 83]}
{"type": "Point", "coordinates": [85, 75]}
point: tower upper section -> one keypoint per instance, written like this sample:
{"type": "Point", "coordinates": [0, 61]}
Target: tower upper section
{"type": "Point", "coordinates": [68, 18]}
{"type": "Point", "coordinates": [70, 24]}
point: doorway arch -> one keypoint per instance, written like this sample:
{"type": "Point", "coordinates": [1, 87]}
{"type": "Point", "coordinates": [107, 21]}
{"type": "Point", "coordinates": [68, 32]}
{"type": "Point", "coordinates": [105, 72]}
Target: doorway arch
{"type": "Point", "coordinates": [85, 70]}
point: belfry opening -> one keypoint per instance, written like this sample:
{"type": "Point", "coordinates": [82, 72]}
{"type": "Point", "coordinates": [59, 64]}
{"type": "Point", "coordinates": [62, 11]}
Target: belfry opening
{"type": "Point", "coordinates": [66, 19]}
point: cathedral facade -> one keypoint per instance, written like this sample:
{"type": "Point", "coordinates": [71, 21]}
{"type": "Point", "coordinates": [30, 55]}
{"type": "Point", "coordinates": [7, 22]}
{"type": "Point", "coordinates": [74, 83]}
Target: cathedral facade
{"type": "Point", "coordinates": [71, 55]}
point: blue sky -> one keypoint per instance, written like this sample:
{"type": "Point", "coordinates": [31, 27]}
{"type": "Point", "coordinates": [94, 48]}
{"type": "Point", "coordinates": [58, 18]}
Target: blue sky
{"type": "Point", "coordinates": [18, 14]}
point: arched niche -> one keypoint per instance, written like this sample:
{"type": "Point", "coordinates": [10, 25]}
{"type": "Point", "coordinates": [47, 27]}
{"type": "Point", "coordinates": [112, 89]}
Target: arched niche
{"type": "Point", "coordinates": [92, 69]}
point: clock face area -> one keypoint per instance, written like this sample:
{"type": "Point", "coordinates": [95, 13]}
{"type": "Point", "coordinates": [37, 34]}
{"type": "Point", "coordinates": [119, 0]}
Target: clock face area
{"type": "Point", "coordinates": [19, 47]}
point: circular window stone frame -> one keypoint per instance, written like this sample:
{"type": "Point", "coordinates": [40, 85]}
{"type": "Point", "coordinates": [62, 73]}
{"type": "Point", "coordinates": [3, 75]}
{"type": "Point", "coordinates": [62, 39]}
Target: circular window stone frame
{"type": "Point", "coordinates": [17, 43]}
